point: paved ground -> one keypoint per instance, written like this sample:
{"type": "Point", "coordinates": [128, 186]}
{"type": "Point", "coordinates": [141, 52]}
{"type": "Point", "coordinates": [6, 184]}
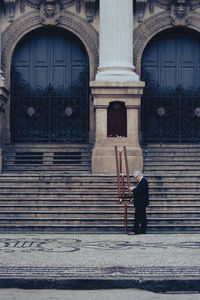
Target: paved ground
{"type": "Point", "coordinates": [152, 261]}
{"type": "Point", "coordinates": [128, 294]}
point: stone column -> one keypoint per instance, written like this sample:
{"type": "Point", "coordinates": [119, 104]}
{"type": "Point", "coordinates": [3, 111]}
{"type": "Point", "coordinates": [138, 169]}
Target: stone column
{"type": "Point", "coordinates": [116, 80]}
{"type": "Point", "coordinates": [116, 41]}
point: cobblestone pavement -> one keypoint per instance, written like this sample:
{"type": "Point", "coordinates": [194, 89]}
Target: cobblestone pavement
{"type": "Point", "coordinates": [150, 257]}
{"type": "Point", "coordinates": [129, 294]}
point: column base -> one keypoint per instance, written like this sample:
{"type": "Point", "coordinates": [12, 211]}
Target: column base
{"type": "Point", "coordinates": [103, 156]}
{"type": "Point", "coordinates": [104, 162]}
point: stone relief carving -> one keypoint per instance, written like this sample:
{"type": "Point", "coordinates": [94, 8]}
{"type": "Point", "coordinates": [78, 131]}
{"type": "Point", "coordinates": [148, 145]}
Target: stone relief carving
{"type": "Point", "coordinates": [179, 13]}
{"type": "Point", "coordinates": [22, 6]}
{"type": "Point", "coordinates": [166, 4]}
{"type": "Point", "coordinates": [50, 12]}
{"type": "Point", "coordinates": [10, 9]}
{"type": "Point", "coordinates": [140, 9]}
{"type": "Point", "coordinates": [90, 6]}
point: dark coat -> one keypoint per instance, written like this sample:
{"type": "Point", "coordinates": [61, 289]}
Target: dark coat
{"type": "Point", "coordinates": [141, 194]}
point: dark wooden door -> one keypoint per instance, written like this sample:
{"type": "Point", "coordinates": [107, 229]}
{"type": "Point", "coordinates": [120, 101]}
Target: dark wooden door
{"type": "Point", "coordinates": [50, 88]}
{"type": "Point", "coordinates": [171, 70]}
{"type": "Point", "coordinates": [117, 119]}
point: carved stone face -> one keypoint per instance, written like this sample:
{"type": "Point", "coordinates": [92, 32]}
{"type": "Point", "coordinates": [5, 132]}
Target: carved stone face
{"type": "Point", "coordinates": [50, 9]}
{"type": "Point", "coordinates": [180, 11]}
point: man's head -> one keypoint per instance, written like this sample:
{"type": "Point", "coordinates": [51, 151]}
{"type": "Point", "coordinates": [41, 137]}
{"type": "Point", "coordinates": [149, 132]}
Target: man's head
{"type": "Point", "coordinates": [137, 175]}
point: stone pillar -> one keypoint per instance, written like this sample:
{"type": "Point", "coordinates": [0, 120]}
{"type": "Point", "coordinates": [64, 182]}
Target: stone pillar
{"type": "Point", "coordinates": [116, 41]}
{"type": "Point", "coordinates": [116, 81]}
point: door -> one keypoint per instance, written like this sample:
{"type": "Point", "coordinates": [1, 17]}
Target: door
{"type": "Point", "coordinates": [49, 88]}
{"type": "Point", "coordinates": [171, 100]}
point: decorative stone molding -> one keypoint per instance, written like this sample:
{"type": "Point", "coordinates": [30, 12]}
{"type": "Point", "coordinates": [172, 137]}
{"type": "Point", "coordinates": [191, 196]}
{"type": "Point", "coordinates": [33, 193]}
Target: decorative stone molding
{"type": "Point", "coordinates": [30, 21]}
{"type": "Point", "coordinates": [64, 4]}
{"type": "Point", "coordinates": [22, 6]}
{"type": "Point", "coordinates": [166, 4]}
{"type": "Point", "coordinates": [140, 10]}
{"type": "Point", "coordinates": [152, 26]}
{"type": "Point", "coordinates": [179, 13]}
{"type": "Point", "coordinates": [50, 12]}
{"type": "Point", "coordinates": [90, 6]}
{"type": "Point", "coordinates": [10, 9]}
{"type": "Point", "coordinates": [151, 6]}
{"type": "Point", "coordinates": [3, 98]}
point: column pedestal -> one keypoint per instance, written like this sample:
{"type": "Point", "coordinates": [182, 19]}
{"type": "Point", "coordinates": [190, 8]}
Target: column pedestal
{"type": "Point", "coordinates": [103, 156]}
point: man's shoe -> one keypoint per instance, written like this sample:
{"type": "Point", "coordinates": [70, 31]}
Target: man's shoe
{"type": "Point", "coordinates": [132, 233]}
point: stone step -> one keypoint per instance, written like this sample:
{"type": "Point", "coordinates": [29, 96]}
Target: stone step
{"type": "Point", "coordinates": [95, 221]}
{"type": "Point", "coordinates": [171, 145]}
{"type": "Point", "coordinates": [172, 168]}
{"type": "Point", "coordinates": [96, 214]}
{"type": "Point", "coordinates": [101, 189]}
{"type": "Point", "coordinates": [94, 207]}
{"type": "Point", "coordinates": [65, 220]}
{"type": "Point", "coordinates": [62, 201]}
{"type": "Point", "coordinates": [183, 164]}
{"type": "Point", "coordinates": [174, 201]}
{"type": "Point", "coordinates": [172, 159]}
{"type": "Point", "coordinates": [92, 228]}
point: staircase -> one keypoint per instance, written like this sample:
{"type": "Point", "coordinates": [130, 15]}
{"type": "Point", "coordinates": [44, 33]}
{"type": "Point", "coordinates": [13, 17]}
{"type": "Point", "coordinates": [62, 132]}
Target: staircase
{"type": "Point", "coordinates": [60, 203]}
{"type": "Point", "coordinates": [19, 158]}
{"type": "Point", "coordinates": [173, 172]}
{"type": "Point", "coordinates": [53, 190]}
{"type": "Point", "coordinates": [50, 188]}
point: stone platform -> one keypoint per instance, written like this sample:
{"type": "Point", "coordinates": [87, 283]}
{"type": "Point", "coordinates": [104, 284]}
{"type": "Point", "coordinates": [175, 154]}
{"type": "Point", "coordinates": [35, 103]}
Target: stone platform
{"type": "Point", "coordinates": [168, 262]}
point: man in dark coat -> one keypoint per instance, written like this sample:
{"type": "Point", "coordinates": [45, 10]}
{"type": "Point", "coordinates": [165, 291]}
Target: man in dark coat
{"type": "Point", "coordinates": [141, 201]}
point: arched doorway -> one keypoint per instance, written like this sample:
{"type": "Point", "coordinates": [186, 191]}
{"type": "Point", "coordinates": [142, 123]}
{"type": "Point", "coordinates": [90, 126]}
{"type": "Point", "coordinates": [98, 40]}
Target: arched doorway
{"type": "Point", "coordinates": [171, 100]}
{"type": "Point", "coordinates": [49, 96]}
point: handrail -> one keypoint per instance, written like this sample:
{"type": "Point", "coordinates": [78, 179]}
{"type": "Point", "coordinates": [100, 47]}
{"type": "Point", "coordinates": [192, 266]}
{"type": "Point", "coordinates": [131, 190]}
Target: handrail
{"type": "Point", "coordinates": [121, 179]}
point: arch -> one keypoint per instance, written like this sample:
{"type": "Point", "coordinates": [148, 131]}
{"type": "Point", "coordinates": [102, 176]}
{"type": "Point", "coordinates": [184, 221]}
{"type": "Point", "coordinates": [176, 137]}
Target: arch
{"type": "Point", "coordinates": [49, 88]}
{"type": "Point", "coordinates": [171, 70]}
{"type": "Point", "coordinates": [151, 27]}
{"type": "Point", "coordinates": [31, 21]}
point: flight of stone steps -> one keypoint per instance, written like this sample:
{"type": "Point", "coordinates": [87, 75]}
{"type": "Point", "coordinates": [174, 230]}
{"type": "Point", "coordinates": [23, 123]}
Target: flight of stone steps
{"type": "Point", "coordinates": [47, 157]}
{"type": "Point", "coordinates": [60, 203]}
{"type": "Point", "coordinates": [68, 198]}
{"type": "Point", "coordinates": [173, 172]}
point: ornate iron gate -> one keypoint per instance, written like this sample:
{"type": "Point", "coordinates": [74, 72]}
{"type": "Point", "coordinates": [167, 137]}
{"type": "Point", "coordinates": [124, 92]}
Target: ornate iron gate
{"type": "Point", "coordinates": [171, 115]}
{"type": "Point", "coordinates": [50, 116]}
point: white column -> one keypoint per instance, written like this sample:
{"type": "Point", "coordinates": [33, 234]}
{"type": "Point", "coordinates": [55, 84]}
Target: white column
{"type": "Point", "coordinates": [116, 41]}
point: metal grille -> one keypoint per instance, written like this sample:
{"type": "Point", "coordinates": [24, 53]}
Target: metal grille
{"type": "Point", "coordinates": [50, 116]}
{"type": "Point", "coordinates": [171, 115]}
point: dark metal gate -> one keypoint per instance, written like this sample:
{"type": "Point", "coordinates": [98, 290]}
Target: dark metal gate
{"type": "Point", "coordinates": [50, 116]}
{"type": "Point", "coordinates": [171, 115]}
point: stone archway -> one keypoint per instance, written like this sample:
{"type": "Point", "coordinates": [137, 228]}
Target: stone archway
{"type": "Point", "coordinates": [151, 27]}
{"type": "Point", "coordinates": [31, 21]}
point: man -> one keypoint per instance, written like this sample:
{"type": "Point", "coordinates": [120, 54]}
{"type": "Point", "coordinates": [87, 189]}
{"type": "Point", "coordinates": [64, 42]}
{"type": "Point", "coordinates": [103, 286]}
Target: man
{"type": "Point", "coordinates": [141, 201]}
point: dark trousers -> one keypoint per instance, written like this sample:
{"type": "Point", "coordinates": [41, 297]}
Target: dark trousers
{"type": "Point", "coordinates": [140, 218]}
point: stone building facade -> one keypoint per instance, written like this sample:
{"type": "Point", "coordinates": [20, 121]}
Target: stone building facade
{"type": "Point", "coordinates": [113, 52]}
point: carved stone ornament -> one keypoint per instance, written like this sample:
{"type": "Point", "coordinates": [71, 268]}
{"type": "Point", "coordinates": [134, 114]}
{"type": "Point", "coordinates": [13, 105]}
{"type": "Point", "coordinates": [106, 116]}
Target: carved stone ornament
{"type": "Point", "coordinates": [166, 4]}
{"type": "Point", "coordinates": [10, 9]}
{"type": "Point", "coordinates": [140, 9]}
{"type": "Point", "coordinates": [50, 12]}
{"type": "Point", "coordinates": [90, 6]}
{"type": "Point", "coordinates": [179, 13]}
{"type": "Point", "coordinates": [64, 4]}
